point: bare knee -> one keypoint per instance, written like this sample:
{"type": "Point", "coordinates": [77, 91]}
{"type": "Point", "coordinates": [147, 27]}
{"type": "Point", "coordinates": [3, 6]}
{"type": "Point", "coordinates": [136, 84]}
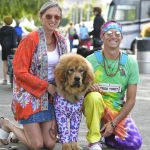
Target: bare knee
{"type": "Point", "coordinates": [37, 145]}
{"type": "Point", "coordinates": [49, 144]}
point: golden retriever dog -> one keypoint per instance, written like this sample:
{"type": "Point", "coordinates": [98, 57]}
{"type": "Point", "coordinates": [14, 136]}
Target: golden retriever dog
{"type": "Point", "coordinates": [73, 76]}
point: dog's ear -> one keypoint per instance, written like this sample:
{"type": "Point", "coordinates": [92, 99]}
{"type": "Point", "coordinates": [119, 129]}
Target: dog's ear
{"type": "Point", "coordinates": [60, 74]}
{"type": "Point", "coordinates": [88, 75]}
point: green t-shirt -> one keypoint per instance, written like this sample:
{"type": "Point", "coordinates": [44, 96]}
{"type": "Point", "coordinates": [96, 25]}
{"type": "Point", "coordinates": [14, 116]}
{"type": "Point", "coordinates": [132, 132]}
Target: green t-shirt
{"type": "Point", "coordinates": [115, 87]}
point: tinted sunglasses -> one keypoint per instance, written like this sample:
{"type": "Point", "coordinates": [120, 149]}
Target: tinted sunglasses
{"type": "Point", "coordinates": [110, 33]}
{"type": "Point", "coordinates": [49, 17]}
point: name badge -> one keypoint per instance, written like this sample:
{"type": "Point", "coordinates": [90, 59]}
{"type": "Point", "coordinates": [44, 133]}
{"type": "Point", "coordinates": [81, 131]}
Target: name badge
{"type": "Point", "coordinates": [110, 87]}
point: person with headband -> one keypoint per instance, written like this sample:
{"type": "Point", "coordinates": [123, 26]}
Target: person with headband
{"type": "Point", "coordinates": [106, 107]}
{"type": "Point", "coordinates": [34, 87]}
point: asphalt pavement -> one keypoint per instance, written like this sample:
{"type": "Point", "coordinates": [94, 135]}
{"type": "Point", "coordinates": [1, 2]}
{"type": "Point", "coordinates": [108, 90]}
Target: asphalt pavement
{"type": "Point", "coordinates": [140, 113]}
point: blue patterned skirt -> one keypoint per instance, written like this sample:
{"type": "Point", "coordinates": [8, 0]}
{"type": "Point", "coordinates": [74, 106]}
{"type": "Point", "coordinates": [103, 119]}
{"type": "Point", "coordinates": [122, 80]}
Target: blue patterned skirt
{"type": "Point", "coordinates": [40, 117]}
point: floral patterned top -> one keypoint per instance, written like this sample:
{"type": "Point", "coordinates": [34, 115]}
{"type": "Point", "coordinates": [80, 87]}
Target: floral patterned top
{"type": "Point", "coordinates": [30, 66]}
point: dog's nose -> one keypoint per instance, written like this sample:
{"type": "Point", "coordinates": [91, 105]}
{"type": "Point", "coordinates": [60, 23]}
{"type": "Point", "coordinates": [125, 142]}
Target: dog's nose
{"type": "Point", "coordinates": [77, 78]}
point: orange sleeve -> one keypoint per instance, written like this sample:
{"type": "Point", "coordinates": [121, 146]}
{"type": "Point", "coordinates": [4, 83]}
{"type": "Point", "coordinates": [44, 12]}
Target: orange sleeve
{"type": "Point", "coordinates": [21, 64]}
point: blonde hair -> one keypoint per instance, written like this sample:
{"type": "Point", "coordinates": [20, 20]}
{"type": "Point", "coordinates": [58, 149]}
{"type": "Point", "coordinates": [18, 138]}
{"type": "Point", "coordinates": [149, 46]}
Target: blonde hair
{"type": "Point", "coordinates": [8, 20]}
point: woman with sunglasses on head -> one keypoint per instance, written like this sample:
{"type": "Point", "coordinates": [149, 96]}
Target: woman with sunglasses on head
{"type": "Point", "coordinates": [34, 88]}
{"type": "Point", "coordinates": [105, 109]}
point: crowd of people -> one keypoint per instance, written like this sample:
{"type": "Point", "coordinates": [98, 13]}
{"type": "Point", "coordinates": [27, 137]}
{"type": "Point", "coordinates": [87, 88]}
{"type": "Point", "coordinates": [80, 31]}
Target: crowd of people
{"type": "Point", "coordinates": [105, 107]}
{"type": "Point", "coordinates": [85, 37]}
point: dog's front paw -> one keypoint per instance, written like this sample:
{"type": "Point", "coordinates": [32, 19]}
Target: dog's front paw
{"type": "Point", "coordinates": [66, 146]}
{"type": "Point", "coordinates": [75, 146]}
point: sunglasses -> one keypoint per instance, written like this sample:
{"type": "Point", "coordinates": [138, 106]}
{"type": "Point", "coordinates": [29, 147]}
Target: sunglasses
{"type": "Point", "coordinates": [49, 17]}
{"type": "Point", "coordinates": [110, 34]}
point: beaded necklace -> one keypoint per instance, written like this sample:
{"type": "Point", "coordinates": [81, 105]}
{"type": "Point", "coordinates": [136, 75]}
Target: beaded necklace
{"type": "Point", "coordinates": [111, 74]}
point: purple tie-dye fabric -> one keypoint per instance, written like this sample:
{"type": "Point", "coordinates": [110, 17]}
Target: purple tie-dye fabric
{"type": "Point", "coordinates": [132, 141]}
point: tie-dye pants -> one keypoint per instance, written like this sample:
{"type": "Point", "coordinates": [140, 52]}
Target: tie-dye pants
{"type": "Point", "coordinates": [126, 135]}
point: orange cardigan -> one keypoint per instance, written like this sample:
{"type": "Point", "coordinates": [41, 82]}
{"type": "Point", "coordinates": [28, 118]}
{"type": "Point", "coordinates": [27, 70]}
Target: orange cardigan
{"type": "Point", "coordinates": [30, 92]}
{"type": "Point", "coordinates": [23, 57]}
{"type": "Point", "coordinates": [23, 108]}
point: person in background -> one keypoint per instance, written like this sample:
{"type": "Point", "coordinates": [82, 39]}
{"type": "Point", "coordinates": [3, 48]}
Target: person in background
{"type": "Point", "coordinates": [106, 108]}
{"type": "Point", "coordinates": [97, 24]}
{"type": "Point", "coordinates": [8, 41]}
{"type": "Point", "coordinates": [71, 35]}
{"type": "Point", "coordinates": [84, 36]}
{"type": "Point", "coordinates": [34, 87]}
{"type": "Point", "coordinates": [19, 32]}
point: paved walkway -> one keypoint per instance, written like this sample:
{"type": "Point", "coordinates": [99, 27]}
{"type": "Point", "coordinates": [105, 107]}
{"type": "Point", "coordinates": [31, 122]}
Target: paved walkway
{"type": "Point", "coordinates": [140, 113]}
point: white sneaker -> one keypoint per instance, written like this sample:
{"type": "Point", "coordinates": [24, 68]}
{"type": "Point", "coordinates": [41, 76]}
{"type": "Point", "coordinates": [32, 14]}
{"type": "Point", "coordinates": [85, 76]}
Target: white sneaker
{"type": "Point", "coordinates": [96, 146]}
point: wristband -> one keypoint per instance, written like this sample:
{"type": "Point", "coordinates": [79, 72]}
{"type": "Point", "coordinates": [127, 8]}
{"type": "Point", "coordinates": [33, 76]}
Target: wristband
{"type": "Point", "coordinates": [112, 125]}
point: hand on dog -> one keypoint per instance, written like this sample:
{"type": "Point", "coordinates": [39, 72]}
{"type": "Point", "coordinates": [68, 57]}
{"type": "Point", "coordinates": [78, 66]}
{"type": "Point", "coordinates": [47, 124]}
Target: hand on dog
{"type": "Point", "coordinates": [95, 88]}
{"type": "Point", "coordinates": [51, 89]}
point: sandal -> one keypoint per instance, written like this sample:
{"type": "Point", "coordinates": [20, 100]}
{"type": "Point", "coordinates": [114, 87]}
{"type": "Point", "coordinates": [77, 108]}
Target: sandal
{"type": "Point", "coordinates": [3, 135]}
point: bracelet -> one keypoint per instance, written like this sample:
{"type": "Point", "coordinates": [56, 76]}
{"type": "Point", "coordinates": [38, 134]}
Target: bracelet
{"type": "Point", "coordinates": [112, 124]}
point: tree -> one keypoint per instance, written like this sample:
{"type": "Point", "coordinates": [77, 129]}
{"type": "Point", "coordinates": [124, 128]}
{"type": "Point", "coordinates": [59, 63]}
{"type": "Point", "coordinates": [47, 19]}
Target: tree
{"type": "Point", "coordinates": [21, 8]}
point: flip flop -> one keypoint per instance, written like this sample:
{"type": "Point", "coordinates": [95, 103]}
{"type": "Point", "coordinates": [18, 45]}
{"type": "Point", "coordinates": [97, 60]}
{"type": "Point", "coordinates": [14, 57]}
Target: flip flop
{"type": "Point", "coordinates": [3, 135]}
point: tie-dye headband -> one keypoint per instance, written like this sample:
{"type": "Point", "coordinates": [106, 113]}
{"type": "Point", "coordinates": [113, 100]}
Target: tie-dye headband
{"type": "Point", "coordinates": [111, 25]}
